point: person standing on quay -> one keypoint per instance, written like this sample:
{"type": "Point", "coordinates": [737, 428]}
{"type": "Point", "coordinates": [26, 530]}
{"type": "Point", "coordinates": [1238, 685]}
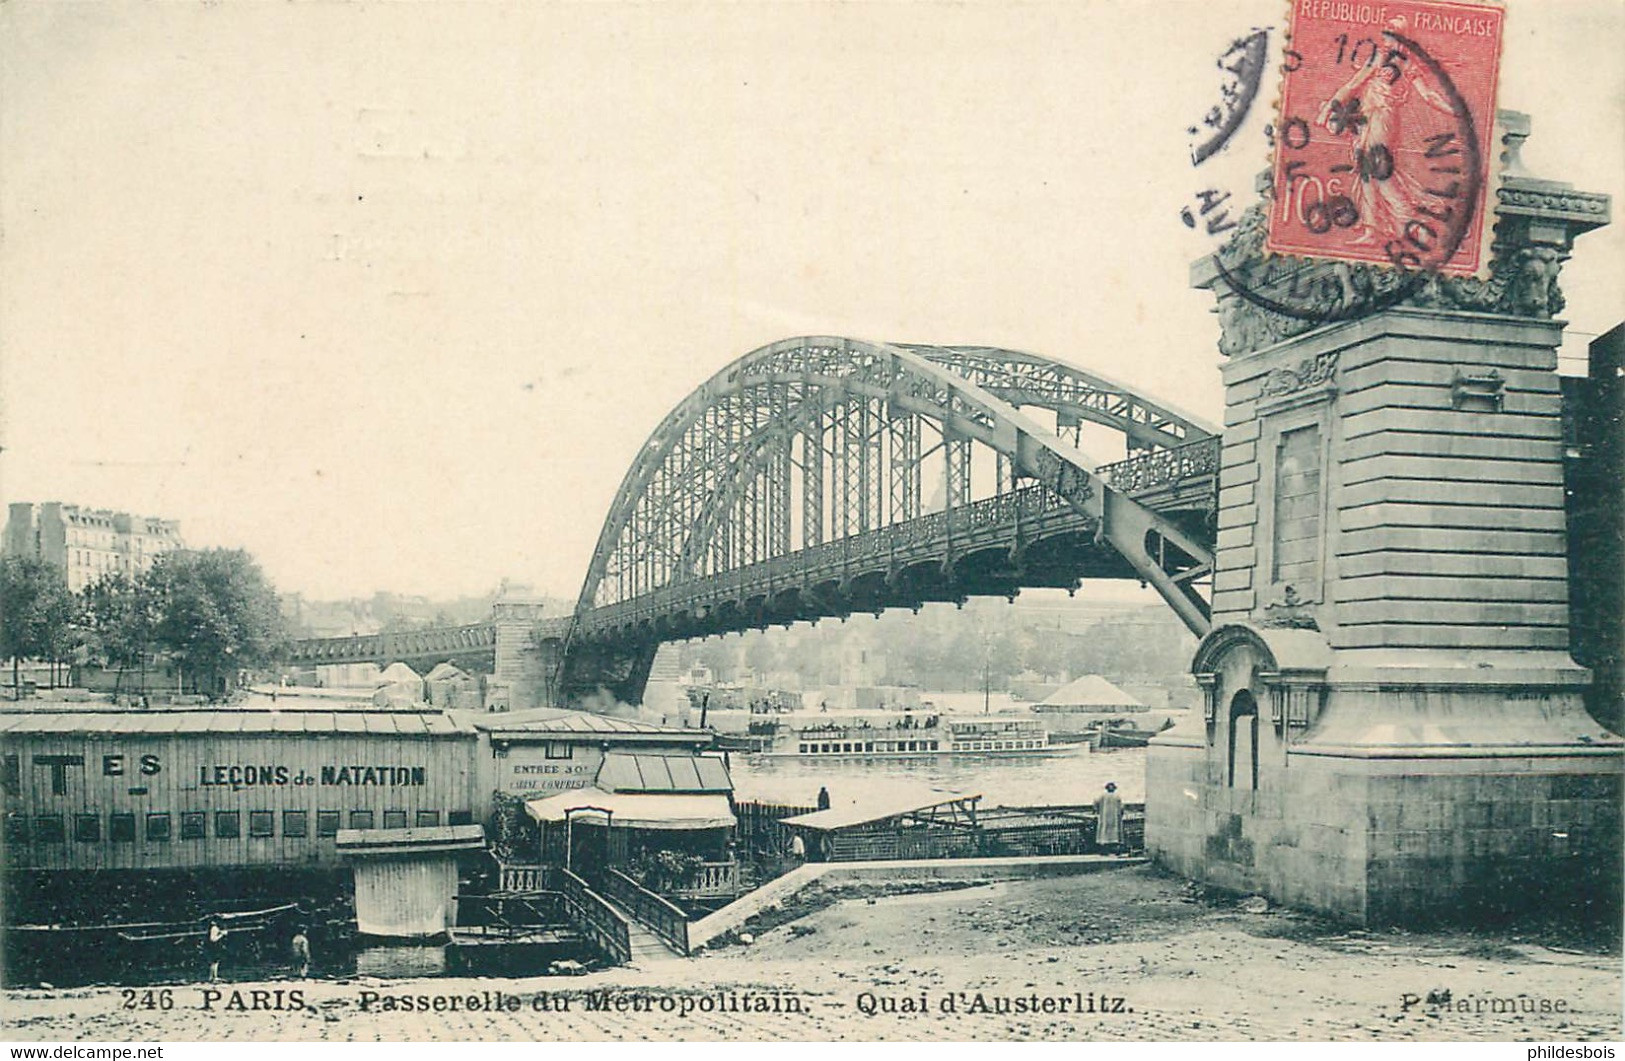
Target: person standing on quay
{"type": "Point", "coordinates": [301, 951]}
{"type": "Point", "coordinates": [214, 948]}
{"type": "Point", "coordinates": [1109, 820]}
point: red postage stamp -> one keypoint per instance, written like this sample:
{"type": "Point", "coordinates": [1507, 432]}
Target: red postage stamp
{"type": "Point", "coordinates": [1383, 145]}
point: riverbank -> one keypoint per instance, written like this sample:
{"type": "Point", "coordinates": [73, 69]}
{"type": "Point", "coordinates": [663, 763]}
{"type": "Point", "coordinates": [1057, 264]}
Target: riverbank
{"type": "Point", "coordinates": [1124, 955]}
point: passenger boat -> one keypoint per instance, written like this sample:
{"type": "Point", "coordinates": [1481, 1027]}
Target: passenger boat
{"type": "Point", "coordinates": [908, 734]}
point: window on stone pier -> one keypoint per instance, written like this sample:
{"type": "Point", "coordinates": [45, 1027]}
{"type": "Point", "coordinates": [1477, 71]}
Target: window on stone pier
{"type": "Point", "coordinates": [1295, 556]}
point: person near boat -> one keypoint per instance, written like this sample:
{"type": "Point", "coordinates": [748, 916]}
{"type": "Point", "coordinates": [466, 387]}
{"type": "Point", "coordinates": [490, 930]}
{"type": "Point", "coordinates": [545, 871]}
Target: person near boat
{"type": "Point", "coordinates": [1109, 820]}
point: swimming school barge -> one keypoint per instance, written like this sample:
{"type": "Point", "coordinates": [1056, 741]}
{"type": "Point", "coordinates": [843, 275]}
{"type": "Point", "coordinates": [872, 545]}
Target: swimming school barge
{"type": "Point", "coordinates": [307, 797]}
{"type": "Point", "coordinates": [538, 838]}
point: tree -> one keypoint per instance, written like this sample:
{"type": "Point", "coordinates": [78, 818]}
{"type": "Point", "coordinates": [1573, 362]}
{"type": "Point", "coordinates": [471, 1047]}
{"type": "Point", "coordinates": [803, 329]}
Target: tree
{"type": "Point", "coordinates": [217, 615]}
{"type": "Point", "coordinates": [120, 614]}
{"type": "Point", "coordinates": [64, 630]}
{"type": "Point", "coordinates": [35, 612]}
{"type": "Point", "coordinates": [761, 658]}
{"type": "Point", "coordinates": [720, 656]}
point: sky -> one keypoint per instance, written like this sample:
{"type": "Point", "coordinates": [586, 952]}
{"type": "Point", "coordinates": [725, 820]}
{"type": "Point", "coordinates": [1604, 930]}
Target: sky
{"type": "Point", "coordinates": [391, 295]}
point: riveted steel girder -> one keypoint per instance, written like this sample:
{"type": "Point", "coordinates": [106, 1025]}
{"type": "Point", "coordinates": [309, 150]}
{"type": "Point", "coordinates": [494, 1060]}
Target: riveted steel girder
{"type": "Point", "coordinates": [814, 443]}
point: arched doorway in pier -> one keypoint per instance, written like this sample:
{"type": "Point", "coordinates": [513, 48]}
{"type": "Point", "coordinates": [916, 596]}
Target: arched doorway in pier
{"type": "Point", "coordinates": [1243, 758]}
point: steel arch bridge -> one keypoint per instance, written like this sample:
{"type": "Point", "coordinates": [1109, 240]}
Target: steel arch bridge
{"type": "Point", "coordinates": [821, 476]}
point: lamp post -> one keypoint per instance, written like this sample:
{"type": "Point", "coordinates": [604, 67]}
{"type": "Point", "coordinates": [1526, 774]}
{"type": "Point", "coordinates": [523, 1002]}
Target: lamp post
{"type": "Point", "coordinates": [987, 671]}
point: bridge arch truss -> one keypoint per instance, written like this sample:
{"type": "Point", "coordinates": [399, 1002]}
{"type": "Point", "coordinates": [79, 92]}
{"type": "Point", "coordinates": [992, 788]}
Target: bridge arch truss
{"type": "Point", "coordinates": [814, 463]}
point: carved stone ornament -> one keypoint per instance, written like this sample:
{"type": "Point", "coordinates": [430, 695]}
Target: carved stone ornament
{"type": "Point", "coordinates": [1289, 611]}
{"type": "Point", "coordinates": [1310, 372]}
{"type": "Point", "coordinates": [1264, 299]}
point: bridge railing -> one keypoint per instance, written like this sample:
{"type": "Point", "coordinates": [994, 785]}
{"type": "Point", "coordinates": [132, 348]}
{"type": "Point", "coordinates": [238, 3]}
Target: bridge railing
{"type": "Point", "coordinates": [1164, 467]}
{"type": "Point", "coordinates": [662, 917]}
{"type": "Point", "coordinates": [712, 880]}
{"type": "Point", "coordinates": [519, 877]}
{"type": "Point", "coordinates": [1035, 508]}
{"type": "Point", "coordinates": [397, 645]}
{"type": "Point", "coordinates": [598, 921]}
{"type": "Point", "coordinates": [983, 523]}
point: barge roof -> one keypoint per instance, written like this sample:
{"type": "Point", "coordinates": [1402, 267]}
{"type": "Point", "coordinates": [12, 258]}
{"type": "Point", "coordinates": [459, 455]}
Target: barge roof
{"type": "Point", "coordinates": [630, 772]}
{"type": "Point", "coordinates": [563, 722]}
{"type": "Point", "coordinates": [236, 721]}
{"type": "Point", "coordinates": [410, 841]}
{"type": "Point", "coordinates": [877, 807]}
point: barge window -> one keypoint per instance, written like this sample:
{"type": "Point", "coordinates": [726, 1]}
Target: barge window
{"type": "Point", "coordinates": [228, 824]}
{"type": "Point", "coordinates": [560, 750]}
{"type": "Point", "coordinates": [327, 822]}
{"type": "Point", "coordinates": [361, 819]}
{"type": "Point", "coordinates": [87, 828]}
{"type": "Point", "coordinates": [158, 828]}
{"type": "Point", "coordinates": [48, 829]}
{"type": "Point", "coordinates": [192, 825]}
{"type": "Point", "coordinates": [16, 829]}
{"type": "Point", "coordinates": [394, 819]}
{"type": "Point", "coordinates": [295, 823]}
{"type": "Point", "coordinates": [261, 823]}
{"type": "Point", "coordinates": [460, 817]}
{"type": "Point", "coordinates": [427, 819]}
{"type": "Point", "coordinates": [121, 828]}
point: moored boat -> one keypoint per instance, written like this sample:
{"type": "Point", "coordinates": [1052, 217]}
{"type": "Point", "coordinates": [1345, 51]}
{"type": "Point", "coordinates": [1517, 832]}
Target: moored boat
{"type": "Point", "coordinates": [43, 951]}
{"type": "Point", "coordinates": [1110, 736]}
{"type": "Point", "coordinates": [158, 931]}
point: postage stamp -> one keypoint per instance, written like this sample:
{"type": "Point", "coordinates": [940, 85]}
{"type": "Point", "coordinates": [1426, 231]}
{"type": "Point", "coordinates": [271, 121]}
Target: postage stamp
{"type": "Point", "coordinates": [1383, 142]}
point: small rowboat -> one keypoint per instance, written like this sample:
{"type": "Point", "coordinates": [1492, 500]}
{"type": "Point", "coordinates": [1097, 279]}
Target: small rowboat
{"type": "Point", "coordinates": [160, 931]}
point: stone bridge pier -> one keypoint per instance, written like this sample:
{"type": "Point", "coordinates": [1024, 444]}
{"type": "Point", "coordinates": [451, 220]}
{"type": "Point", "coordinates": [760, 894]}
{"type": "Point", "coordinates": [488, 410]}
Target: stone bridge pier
{"type": "Point", "coordinates": [527, 651]}
{"type": "Point", "coordinates": [1393, 727]}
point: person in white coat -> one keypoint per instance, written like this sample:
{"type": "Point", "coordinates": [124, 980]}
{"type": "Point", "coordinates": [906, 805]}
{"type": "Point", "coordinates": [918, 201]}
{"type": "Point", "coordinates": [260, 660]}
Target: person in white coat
{"type": "Point", "coordinates": [1109, 820]}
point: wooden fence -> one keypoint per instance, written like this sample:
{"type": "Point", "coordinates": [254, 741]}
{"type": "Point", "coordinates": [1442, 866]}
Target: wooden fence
{"type": "Point", "coordinates": [517, 910]}
{"type": "Point", "coordinates": [759, 831]}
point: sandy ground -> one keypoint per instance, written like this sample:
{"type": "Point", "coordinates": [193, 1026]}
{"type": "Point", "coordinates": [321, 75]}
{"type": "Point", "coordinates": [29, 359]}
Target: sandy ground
{"type": "Point", "coordinates": [1002, 961]}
